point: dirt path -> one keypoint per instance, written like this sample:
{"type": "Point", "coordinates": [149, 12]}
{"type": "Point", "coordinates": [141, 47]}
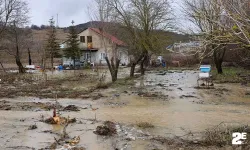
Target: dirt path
{"type": "Point", "coordinates": [169, 102]}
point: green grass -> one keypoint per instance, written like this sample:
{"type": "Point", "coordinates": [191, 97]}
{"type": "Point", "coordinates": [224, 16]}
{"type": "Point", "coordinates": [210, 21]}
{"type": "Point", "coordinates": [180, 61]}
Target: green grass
{"type": "Point", "coordinates": [230, 75]}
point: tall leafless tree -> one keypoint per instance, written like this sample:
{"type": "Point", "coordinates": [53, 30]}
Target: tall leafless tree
{"type": "Point", "coordinates": [207, 15]}
{"type": "Point", "coordinates": [139, 18]}
{"type": "Point", "coordinates": [13, 17]}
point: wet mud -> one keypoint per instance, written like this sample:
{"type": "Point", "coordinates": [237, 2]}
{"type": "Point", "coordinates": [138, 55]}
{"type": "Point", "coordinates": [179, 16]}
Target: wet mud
{"type": "Point", "coordinates": [168, 102]}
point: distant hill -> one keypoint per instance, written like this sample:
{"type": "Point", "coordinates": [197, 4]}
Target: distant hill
{"type": "Point", "coordinates": [172, 37]}
{"type": "Point", "coordinates": [40, 37]}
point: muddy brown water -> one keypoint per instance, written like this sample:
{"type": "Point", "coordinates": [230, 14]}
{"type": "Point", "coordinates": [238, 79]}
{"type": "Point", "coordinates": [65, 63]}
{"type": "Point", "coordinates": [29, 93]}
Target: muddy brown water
{"type": "Point", "coordinates": [182, 109]}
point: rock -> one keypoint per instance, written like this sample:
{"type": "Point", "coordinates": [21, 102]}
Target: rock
{"type": "Point", "coordinates": [247, 93]}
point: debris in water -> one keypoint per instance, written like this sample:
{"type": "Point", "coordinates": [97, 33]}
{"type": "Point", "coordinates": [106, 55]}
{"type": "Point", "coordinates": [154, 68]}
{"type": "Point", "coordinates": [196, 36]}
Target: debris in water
{"type": "Point", "coordinates": [116, 95]}
{"type": "Point", "coordinates": [58, 120]}
{"type": "Point", "coordinates": [173, 84]}
{"type": "Point", "coordinates": [180, 89]}
{"type": "Point", "coordinates": [108, 129]}
{"type": "Point", "coordinates": [161, 85]}
{"type": "Point", "coordinates": [71, 108]}
{"type": "Point", "coordinates": [93, 109]}
{"type": "Point", "coordinates": [188, 96]}
{"type": "Point", "coordinates": [147, 94]}
{"type": "Point", "coordinates": [50, 121]}
{"type": "Point", "coordinates": [162, 73]}
{"type": "Point", "coordinates": [32, 127]}
{"type": "Point", "coordinates": [74, 141]}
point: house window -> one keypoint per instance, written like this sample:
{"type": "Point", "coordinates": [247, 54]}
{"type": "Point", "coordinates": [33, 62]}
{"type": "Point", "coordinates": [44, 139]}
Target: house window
{"type": "Point", "coordinates": [103, 55]}
{"type": "Point", "coordinates": [89, 39]}
{"type": "Point", "coordinates": [82, 39]}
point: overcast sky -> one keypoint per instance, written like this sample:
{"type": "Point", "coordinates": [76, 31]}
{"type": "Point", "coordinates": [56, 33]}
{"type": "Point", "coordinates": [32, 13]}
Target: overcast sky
{"type": "Point", "coordinates": [42, 10]}
{"type": "Point", "coordinates": [78, 10]}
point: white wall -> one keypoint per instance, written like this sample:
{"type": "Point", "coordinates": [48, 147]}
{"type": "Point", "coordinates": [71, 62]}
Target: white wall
{"type": "Point", "coordinates": [101, 45]}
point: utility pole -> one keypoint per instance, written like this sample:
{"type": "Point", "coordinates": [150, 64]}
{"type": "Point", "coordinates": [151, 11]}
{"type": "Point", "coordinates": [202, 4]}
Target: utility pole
{"type": "Point", "coordinates": [57, 22]}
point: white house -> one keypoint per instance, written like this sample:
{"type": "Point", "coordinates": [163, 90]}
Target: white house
{"type": "Point", "coordinates": [95, 45]}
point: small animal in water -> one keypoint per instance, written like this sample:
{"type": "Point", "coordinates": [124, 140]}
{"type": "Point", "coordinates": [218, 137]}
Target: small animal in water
{"type": "Point", "coordinates": [93, 109]}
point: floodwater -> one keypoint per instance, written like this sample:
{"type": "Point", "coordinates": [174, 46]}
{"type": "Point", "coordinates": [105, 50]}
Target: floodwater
{"type": "Point", "coordinates": [179, 109]}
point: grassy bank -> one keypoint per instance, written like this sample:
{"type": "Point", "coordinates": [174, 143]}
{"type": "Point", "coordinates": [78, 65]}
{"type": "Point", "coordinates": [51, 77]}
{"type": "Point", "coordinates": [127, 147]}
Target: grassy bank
{"type": "Point", "coordinates": [230, 75]}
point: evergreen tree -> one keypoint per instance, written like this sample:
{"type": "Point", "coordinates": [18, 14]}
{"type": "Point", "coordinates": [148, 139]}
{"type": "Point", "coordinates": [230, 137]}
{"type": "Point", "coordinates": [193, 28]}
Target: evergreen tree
{"type": "Point", "coordinates": [52, 47]}
{"type": "Point", "coordinates": [72, 50]}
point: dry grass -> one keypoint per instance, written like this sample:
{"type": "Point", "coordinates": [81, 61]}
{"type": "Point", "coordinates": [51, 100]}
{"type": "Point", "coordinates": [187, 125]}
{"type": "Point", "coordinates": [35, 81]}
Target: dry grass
{"type": "Point", "coordinates": [145, 125]}
{"type": "Point", "coordinates": [222, 135]}
{"type": "Point", "coordinates": [39, 40]}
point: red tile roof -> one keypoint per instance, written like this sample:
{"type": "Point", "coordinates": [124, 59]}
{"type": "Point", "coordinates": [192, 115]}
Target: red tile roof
{"type": "Point", "coordinates": [109, 36]}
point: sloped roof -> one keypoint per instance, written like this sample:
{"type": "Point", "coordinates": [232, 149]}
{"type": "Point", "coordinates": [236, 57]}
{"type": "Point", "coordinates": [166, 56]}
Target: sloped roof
{"type": "Point", "coordinates": [109, 36]}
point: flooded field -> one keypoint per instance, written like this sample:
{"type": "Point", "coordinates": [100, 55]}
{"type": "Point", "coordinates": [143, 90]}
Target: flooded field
{"type": "Point", "coordinates": [168, 101]}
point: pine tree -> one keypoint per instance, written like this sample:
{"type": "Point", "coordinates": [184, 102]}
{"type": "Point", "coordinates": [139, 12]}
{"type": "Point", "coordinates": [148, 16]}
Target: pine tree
{"type": "Point", "coordinates": [52, 47]}
{"type": "Point", "coordinates": [72, 51]}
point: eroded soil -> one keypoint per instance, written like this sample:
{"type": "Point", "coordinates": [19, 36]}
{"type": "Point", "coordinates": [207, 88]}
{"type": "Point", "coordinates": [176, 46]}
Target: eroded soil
{"type": "Point", "coordinates": [178, 111]}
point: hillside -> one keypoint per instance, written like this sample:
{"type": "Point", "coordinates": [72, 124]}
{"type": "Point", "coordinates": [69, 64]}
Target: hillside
{"type": "Point", "coordinates": [39, 37]}
{"type": "Point", "coordinates": [170, 37]}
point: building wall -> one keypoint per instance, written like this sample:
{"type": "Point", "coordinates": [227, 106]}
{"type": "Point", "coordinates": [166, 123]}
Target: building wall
{"type": "Point", "coordinates": [98, 56]}
{"type": "Point", "coordinates": [97, 41]}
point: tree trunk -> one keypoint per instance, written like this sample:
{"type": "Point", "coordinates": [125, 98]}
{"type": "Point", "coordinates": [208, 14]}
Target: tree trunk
{"type": "Point", "coordinates": [3, 67]}
{"type": "Point", "coordinates": [142, 64]}
{"type": "Point", "coordinates": [113, 67]}
{"type": "Point", "coordinates": [218, 59]}
{"type": "Point", "coordinates": [20, 65]}
{"type": "Point", "coordinates": [219, 67]}
{"type": "Point", "coordinates": [132, 70]}
{"type": "Point", "coordinates": [142, 68]}
{"type": "Point", "coordinates": [52, 63]}
{"type": "Point", "coordinates": [74, 63]}
{"type": "Point", "coordinates": [18, 61]}
{"type": "Point", "coordinates": [30, 62]}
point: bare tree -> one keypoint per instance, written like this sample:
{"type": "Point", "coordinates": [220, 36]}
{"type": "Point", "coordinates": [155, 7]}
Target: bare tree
{"type": "Point", "coordinates": [13, 17]}
{"type": "Point", "coordinates": [140, 18]}
{"type": "Point", "coordinates": [113, 60]}
{"type": "Point", "coordinates": [11, 10]}
{"type": "Point", "coordinates": [207, 15]}
{"type": "Point", "coordinates": [16, 41]}
{"type": "Point", "coordinates": [237, 14]}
